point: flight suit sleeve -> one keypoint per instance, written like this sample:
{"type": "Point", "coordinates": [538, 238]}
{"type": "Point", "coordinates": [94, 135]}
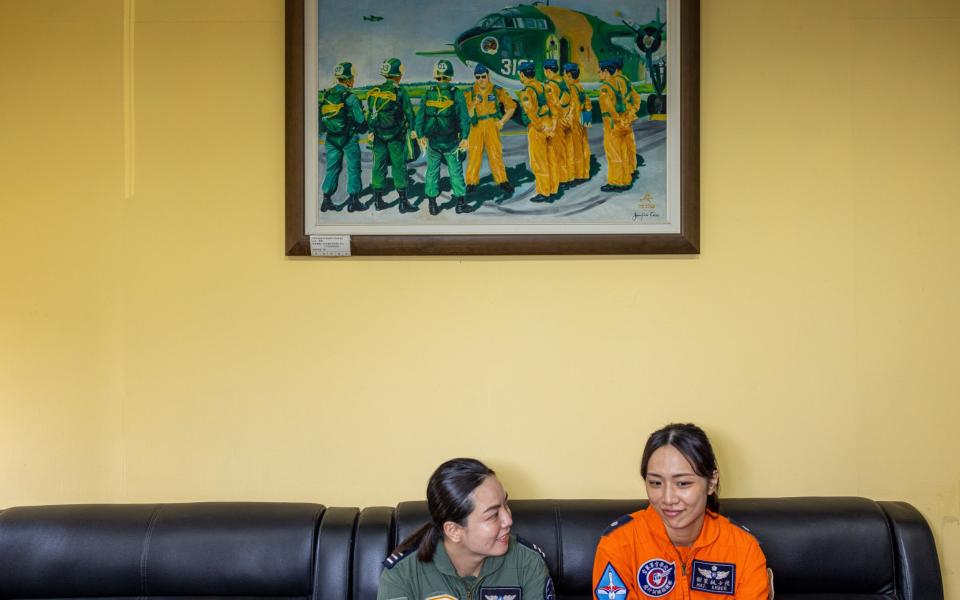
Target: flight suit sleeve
{"type": "Point", "coordinates": [356, 113]}
{"type": "Point", "coordinates": [612, 571]}
{"type": "Point", "coordinates": [393, 586]}
{"type": "Point", "coordinates": [752, 581]}
{"type": "Point", "coordinates": [463, 114]}
{"type": "Point", "coordinates": [608, 105]}
{"type": "Point", "coordinates": [552, 92]}
{"type": "Point", "coordinates": [420, 118]}
{"type": "Point", "coordinates": [528, 99]}
{"type": "Point", "coordinates": [535, 579]}
{"type": "Point", "coordinates": [506, 100]}
{"type": "Point", "coordinates": [407, 108]}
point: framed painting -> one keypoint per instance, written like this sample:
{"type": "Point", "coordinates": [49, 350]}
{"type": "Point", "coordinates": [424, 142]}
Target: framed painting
{"type": "Point", "coordinates": [437, 127]}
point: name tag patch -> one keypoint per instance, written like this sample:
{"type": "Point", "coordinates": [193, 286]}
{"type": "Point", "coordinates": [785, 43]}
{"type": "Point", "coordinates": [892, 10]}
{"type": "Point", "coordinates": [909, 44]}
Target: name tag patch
{"type": "Point", "coordinates": [501, 593]}
{"type": "Point", "coordinates": [714, 577]}
{"type": "Point", "coordinates": [657, 577]}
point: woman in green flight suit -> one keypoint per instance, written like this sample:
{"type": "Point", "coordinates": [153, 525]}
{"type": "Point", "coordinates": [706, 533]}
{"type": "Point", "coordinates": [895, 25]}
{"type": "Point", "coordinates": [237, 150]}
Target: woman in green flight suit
{"type": "Point", "coordinates": [466, 551]}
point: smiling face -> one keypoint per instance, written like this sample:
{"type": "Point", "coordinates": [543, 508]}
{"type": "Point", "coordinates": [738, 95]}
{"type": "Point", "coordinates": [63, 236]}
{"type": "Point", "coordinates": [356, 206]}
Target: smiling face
{"type": "Point", "coordinates": [678, 494]}
{"type": "Point", "coordinates": [486, 531]}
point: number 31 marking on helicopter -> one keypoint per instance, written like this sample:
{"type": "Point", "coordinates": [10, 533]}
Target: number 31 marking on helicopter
{"type": "Point", "coordinates": [509, 66]}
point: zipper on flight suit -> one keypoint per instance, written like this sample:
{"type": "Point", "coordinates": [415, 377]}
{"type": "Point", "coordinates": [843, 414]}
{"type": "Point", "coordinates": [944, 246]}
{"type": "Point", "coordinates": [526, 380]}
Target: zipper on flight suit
{"type": "Point", "coordinates": [684, 584]}
{"type": "Point", "coordinates": [476, 586]}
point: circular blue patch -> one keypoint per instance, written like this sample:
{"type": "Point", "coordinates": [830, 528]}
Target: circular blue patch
{"type": "Point", "coordinates": [656, 577]}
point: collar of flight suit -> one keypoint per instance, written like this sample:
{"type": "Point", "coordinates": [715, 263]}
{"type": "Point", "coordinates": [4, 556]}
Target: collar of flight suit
{"type": "Point", "coordinates": [708, 533]}
{"type": "Point", "coordinates": [490, 564]}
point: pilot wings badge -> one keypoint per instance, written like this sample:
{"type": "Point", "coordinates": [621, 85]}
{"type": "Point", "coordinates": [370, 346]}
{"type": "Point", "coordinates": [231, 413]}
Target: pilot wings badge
{"type": "Point", "coordinates": [501, 593]}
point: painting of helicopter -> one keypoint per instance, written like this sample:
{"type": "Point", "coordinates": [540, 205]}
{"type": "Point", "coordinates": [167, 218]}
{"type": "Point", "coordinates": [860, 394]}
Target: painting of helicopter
{"type": "Point", "coordinates": [485, 33]}
{"type": "Point", "coordinates": [538, 31]}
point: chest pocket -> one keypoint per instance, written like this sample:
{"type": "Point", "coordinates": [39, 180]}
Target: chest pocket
{"type": "Point", "coordinates": [488, 107]}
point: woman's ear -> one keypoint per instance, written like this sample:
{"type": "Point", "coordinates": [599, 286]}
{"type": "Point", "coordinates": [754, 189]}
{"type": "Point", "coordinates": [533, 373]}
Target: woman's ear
{"type": "Point", "coordinates": [713, 482]}
{"type": "Point", "coordinates": [452, 531]}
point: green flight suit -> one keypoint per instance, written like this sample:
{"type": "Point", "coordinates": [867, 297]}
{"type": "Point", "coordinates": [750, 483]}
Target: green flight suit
{"type": "Point", "coordinates": [342, 118]}
{"type": "Point", "coordinates": [443, 119]}
{"type": "Point", "coordinates": [520, 574]}
{"type": "Point", "coordinates": [390, 117]}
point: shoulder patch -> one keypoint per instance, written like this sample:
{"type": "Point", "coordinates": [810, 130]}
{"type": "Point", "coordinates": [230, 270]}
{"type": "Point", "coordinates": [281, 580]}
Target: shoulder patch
{"type": "Point", "coordinates": [618, 523]}
{"type": "Point", "coordinates": [392, 560]}
{"type": "Point", "coordinates": [532, 546]}
{"type": "Point", "coordinates": [611, 585]}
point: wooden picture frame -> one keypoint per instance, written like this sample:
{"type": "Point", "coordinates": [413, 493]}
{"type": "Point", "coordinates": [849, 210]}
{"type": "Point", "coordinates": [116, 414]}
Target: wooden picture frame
{"type": "Point", "coordinates": [682, 143]}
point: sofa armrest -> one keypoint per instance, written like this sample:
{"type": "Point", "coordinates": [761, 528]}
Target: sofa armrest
{"type": "Point", "coordinates": [918, 568]}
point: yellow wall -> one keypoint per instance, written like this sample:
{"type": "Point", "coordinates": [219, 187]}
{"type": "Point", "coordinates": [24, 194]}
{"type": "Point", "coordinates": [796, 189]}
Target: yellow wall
{"type": "Point", "coordinates": [156, 345]}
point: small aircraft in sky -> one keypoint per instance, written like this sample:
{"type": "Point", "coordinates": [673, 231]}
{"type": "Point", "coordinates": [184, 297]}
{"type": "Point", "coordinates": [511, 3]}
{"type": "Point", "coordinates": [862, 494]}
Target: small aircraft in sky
{"type": "Point", "coordinates": [372, 18]}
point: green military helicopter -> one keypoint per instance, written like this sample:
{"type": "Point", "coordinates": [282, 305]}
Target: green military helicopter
{"type": "Point", "coordinates": [502, 40]}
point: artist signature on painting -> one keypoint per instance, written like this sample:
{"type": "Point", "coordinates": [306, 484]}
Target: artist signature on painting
{"type": "Point", "coordinates": [646, 208]}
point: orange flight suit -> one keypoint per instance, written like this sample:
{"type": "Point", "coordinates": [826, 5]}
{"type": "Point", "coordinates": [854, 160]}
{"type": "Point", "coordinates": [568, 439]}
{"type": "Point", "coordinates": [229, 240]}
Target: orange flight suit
{"type": "Point", "coordinates": [578, 133]}
{"type": "Point", "coordinates": [483, 107]}
{"type": "Point", "coordinates": [636, 560]}
{"type": "Point", "coordinates": [540, 130]}
{"type": "Point", "coordinates": [632, 99]}
{"type": "Point", "coordinates": [615, 134]}
{"type": "Point", "coordinates": [559, 100]}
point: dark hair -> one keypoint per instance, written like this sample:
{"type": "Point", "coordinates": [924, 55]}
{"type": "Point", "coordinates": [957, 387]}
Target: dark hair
{"type": "Point", "coordinates": [449, 498]}
{"type": "Point", "coordinates": [694, 445]}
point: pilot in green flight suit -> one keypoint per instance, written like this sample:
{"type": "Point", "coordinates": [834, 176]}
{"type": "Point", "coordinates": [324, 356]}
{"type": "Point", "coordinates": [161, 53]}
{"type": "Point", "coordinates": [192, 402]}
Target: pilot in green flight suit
{"type": "Point", "coordinates": [390, 117]}
{"type": "Point", "coordinates": [341, 118]}
{"type": "Point", "coordinates": [466, 551]}
{"type": "Point", "coordinates": [443, 125]}
{"type": "Point", "coordinates": [520, 574]}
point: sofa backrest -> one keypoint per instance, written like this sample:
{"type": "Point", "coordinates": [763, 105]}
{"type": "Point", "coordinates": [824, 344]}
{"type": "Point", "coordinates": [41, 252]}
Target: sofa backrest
{"type": "Point", "coordinates": [189, 551]}
{"type": "Point", "coordinates": [819, 548]}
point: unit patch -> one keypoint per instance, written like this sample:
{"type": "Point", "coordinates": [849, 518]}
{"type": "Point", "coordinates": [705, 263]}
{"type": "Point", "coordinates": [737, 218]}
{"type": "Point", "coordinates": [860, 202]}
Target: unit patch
{"type": "Point", "coordinates": [441, 597]}
{"type": "Point", "coordinates": [657, 577]}
{"type": "Point", "coordinates": [501, 593]}
{"type": "Point", "coordinates": [611, 585]}
{"type": "Point", "coordinates": [549, 593]}
{"type": "Point", "coordinates": [713, 577]}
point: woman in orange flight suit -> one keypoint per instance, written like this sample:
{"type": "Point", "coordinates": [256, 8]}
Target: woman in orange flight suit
{"type": "Point", "coordinates": [679, 547]}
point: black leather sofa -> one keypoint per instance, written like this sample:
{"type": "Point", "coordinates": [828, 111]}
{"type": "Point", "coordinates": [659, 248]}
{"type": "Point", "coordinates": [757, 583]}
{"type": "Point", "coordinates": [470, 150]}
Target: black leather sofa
{"type": "Point", "coordinates": [819, 548]}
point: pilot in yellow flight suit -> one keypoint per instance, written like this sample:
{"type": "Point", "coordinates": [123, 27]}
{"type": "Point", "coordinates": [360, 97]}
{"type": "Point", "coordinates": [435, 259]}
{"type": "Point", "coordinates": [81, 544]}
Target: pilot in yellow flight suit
{"type": "Point", "coordinates": [558, 97]}
{"type": "Point", "coordinates": [631, 98]}
{"type": "Point", "coordinates": [484, 101]}
{"type": "Point", "coordinates": [615, 130]}
{"type": "Point", "coordinates": [581, 109]}
{"type": "Point", "coordinates": [540, 131]}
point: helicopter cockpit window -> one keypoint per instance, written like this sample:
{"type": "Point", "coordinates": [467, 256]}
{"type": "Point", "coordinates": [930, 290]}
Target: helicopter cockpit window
{"type": "Point", "coordinates": [530, 23]}
{"type": "Point", "coordinates": [625, 42]}
{"type": "Point", "coordinates": [491, 22]}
